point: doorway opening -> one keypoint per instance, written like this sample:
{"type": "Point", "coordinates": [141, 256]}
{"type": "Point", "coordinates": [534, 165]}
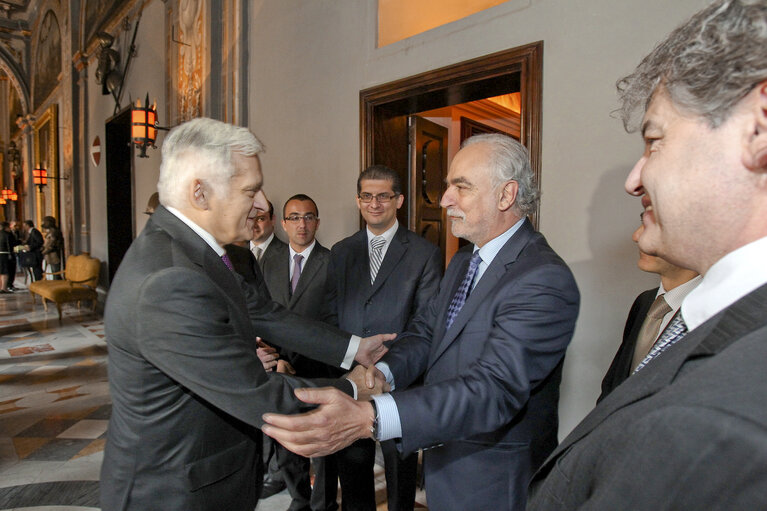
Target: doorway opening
{"type": "Point", "coordinates": [119, 162]}
{"type": "Point", "coordinates": [416, 124]}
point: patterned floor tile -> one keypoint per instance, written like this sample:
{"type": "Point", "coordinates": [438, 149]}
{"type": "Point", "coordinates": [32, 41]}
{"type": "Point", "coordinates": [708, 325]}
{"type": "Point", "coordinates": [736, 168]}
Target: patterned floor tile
{"type": "Point", "coordinates": [47, 428]}
{"type": "Point", "coordinates": [26, 446]}
{"type": "Point", "coordinates": [85, 429]}
{"type": "Point", "coordinates": [58, 449]}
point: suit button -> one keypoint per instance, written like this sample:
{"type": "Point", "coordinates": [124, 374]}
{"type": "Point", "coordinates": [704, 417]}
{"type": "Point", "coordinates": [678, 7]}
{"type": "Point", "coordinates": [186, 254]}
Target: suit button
{"type": "Point", "coordinates": [369, 302]}
{"type": "Point", "coordinates": [365, 331]}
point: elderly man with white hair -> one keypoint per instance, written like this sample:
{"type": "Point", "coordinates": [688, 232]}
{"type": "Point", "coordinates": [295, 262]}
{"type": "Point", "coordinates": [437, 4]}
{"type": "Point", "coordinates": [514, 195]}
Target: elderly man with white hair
{"type": "Point", "coordinates": [187, 386]}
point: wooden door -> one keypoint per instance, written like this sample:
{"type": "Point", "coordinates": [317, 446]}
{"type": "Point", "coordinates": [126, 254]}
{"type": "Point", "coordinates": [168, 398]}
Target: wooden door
{"type": "Point", "coordinates": [427, 169]}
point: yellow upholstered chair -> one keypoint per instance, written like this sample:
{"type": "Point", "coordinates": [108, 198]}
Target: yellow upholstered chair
{"type": "Point", "coordinates": [79, 283]}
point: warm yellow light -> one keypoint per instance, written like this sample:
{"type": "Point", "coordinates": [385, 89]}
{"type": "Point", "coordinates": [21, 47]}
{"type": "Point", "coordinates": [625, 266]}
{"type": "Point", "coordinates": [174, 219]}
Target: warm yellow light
{"type": "Point", "coordinates": [400, 19]}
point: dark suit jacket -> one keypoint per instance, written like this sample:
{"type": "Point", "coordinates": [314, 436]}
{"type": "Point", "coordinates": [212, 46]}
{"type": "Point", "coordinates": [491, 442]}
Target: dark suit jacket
{"type": "Point", "coordinates": [187, 387]}
{"type": "Point", "coordinates": [245, 264]}
{"type": "Point", "coordinates": [35, 244]}
{"type": "Point", "coordinates": [407, 279]}
{"type": "Point", "coordinates": [488, 408]}
{"type": "Point", "coordinates": [307, 300]}
{"type": "Point", "coordinates": [687, 432]}
{"type": "Point", "coordinates": [620, 367]}
{"type": "Point", "coordinates": [271, 255]}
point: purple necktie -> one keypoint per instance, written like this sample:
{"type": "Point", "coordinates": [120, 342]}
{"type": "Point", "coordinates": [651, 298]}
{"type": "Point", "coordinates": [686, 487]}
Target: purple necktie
{"type": "Point", "coordinates": [463, 290]}
{"type": "Point", "coordinates": [296, 272]}
{"type": "Point", "coordinates": [227, 261]}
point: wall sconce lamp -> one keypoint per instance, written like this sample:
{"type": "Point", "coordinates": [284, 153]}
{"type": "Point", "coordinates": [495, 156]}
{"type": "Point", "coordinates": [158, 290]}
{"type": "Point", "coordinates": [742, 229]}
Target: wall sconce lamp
{"type": "Point", "coordinates": [40, 177]}
{"type": "Point", "coordinates": [8, 194]}
{"type": "Point", "coordinates": [144, 126]}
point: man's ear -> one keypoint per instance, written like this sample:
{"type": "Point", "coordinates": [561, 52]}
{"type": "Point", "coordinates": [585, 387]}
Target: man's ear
{"type": "Point", "coordinates": [755, 154]}
{"type": "Point", "coordinates": [508, 195]}
{"type": "Point", "coordinates": [198, 195]}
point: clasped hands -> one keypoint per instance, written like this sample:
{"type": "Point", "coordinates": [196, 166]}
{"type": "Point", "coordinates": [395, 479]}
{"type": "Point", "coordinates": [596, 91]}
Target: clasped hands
{"type": "Point", "coordinates": [338, 421]}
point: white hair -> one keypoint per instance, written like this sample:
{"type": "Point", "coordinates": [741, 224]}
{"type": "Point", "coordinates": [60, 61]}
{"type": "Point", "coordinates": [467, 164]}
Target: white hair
{"type": "Point", "coordinates": [201, 149]}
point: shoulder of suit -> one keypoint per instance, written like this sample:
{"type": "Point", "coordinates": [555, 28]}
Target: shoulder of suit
{"type": "Point", "coordinates": [348, 242]}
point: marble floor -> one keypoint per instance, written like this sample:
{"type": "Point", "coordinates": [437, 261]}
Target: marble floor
{"type": "Point", "coordinates": [55, 407]}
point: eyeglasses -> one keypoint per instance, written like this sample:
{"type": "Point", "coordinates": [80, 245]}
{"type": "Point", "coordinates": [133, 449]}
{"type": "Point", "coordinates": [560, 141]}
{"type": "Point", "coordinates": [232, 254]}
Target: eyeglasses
{"type": "Point", "coordinates": [382, 198]}
{"type": "Point", "coordinates": [308, 218]}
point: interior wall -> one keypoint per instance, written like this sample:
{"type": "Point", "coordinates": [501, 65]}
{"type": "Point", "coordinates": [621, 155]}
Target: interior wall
{"type": "Point", "coordinates": [145, 75]}
{"type": "Point", "coordinates": [309, 60]}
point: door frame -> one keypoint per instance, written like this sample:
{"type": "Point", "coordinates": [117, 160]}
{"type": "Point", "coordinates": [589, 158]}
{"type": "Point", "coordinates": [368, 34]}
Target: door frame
{"type": "Point", "coordinates": [526, 61]}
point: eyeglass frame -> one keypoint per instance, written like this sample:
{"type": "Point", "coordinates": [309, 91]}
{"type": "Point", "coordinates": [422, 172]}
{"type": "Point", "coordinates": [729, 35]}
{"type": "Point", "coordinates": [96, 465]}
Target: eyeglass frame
{"type": "Point", "coordinates": [308, 218]}
{"type": "Point", "coordinates": [388, 198]}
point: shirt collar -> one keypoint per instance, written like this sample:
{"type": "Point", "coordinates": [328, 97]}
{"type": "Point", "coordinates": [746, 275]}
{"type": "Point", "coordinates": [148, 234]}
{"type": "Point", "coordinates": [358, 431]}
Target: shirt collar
{"type": "Point", "coordinates": [388, 235]}
{"type": "Point", "coordinates": [264, 244]}
{"type": "Point", "coordinates": [728, 280]}
{"type": "Point", "coordinates": [676, 296]}
{"type": "Point", "coordinates": [490, 249]}
{"type": "Point", "coordinates": [305, 252]}
{"type": "Point", "coordinates": [202, 233]}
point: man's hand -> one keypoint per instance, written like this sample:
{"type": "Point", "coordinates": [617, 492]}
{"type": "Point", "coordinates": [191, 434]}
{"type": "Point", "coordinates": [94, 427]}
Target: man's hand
{"type": "Point", "coordinates": [372, 349]}
{"type": "Point", "coordinates": [369, 382]}
{"type": "Point", "coordinates": [338, 422]}
{"type": "Point", "coordinates": [267, 355]}
{"type": "Point", "coordinates": [283, 366]}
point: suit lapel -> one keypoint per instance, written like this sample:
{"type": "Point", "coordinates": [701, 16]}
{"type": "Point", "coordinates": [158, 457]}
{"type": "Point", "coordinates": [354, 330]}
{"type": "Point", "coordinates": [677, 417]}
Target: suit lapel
{"type": "Point", "coordinates": [394, 255]}
{"type": "Point", "coordinates": [359, 263]}
{"type": "Point", "coordinates": [188, 245]}
{"type": "Point", "coordinates": [308, 273]}
{"type": "Point", "coordinates": [710, 338]}
{"type": "Point", "coordinates": [493, 274]}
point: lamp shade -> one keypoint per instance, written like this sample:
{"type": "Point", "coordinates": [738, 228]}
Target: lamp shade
{"type": "Point", "coordinates": [40, 176]}
{"type": "Point", "coordinates": [143, 126]}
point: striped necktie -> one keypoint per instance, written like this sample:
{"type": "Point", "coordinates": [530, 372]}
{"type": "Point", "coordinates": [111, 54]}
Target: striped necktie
{"type": "Point", "coordinates": [376, 256]}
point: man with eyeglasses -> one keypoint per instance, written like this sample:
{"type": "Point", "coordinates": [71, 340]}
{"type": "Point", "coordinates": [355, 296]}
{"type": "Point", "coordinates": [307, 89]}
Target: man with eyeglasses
{"type": "Point", "coordinates": [295, 276]}
{"type": "Point", "coordinates": [378, 280]}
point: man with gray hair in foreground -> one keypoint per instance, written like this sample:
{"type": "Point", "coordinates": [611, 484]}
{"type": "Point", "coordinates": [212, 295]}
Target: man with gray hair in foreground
{"type": "Point", "coordinates": [490, 345]}
{"type": "Point", "coordinates": [187, 386]}
{"type": "Point", "coordinates": [688, 431]}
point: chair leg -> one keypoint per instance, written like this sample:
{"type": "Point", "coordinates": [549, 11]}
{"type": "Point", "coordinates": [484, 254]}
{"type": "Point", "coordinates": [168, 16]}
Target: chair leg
{"type": "Point", "coordinates": [45, 303]}
{"type": "Point", "coordinates": [58, 306]}
{"type": "Point", "coordinates": [33, 297]}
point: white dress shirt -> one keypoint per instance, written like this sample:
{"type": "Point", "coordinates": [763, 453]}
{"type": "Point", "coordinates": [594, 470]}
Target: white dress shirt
{"type": "Point", "coordinates": [727, 281]}
{"type": "Point", "coordinates": [306, 253]}
{"type": "Point", "coordinates": [674, 299]}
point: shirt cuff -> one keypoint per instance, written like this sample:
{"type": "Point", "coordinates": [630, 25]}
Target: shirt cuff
{"type": "Point", "coordinates": [351, 351]}
{"type": "Point", "coordinates": [384, 368]}
{"type": "Point", "coordinates": [389, 425]}
{"type": "Point", "coordinates": [354, 388]}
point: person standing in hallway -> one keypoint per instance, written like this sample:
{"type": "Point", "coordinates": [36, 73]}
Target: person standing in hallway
{"type": "Point", "coordinates": [187, 386]}
{"type": "Point", "coordinates": [688, 430]}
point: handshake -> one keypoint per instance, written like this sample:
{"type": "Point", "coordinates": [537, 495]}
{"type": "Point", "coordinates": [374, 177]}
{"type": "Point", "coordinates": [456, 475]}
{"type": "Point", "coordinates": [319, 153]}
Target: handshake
{"type": "Point", "coordinates": [369, 381]}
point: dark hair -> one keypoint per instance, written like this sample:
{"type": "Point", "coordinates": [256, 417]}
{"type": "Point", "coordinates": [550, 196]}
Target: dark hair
{"type": "Point", "coordinates": [49, 222]}
{"type": "Point", "coordinates": [29, 223]}
{"type": "Point", "coordinates": [271, 209]}
{"type": "Point", "coordinates": [381, 172]}
{"type": "Point", "coordinates": [301, 197]}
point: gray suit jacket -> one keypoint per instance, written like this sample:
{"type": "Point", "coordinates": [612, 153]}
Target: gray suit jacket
{"type": "Point", "coordinates": [307, 301]}
{"type": "Point", "coordinates": [687, 432]}
{"type": "Point", "coordinates": [187, 387]}
{"type": "Point", "coordinates": [487, 411]}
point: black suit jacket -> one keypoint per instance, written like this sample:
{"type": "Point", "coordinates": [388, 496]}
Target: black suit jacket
{"type": "Point", "coordinates": [307, 300]}
{"type": "Point", "coordinates": [407, 279]}
{"type": "Point", "coordinates": [620, 367]}
{"type": "Point", "coordinates": [271, 254]}
{"type": "Point", "coordinates": [245, 264]}
{"type": "Point", "coordinates": [487, 411]}
{"type": "Point", "coordinates": [187, 387]}
{"type": "Point", "coordinates": [687, 432]}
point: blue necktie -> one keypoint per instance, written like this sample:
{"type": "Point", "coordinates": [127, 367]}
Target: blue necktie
{"type": "Point", "coordinates": [673, 332]}
{"type": "Point", "coordinates": [463, 290]}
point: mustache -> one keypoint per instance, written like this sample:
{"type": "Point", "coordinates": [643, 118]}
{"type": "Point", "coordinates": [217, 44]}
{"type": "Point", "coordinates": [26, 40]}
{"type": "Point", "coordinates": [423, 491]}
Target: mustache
{"type": "Point", "coordinates": [454, 213]}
